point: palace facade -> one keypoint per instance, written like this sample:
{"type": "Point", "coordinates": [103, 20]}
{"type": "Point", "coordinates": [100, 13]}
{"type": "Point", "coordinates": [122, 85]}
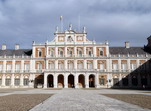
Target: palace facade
{"type": "Point", "coordinates": [71, 60]}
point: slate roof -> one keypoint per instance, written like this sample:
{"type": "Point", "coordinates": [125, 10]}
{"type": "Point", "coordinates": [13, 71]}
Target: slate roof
{"type": "Point", "coordinates": [20, 52]}
{"type": "Point", "coordinates": [123, 50]}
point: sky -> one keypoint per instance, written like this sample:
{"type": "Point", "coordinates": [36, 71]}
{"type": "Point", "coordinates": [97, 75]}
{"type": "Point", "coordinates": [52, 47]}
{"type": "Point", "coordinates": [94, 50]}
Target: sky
{"type": "Point", "coordinates": [117, 21]}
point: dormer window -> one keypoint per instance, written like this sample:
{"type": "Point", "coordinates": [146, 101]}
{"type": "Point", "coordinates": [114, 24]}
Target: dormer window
{"type": "Point", "coordinates": [70, 39]}
{"type": "Point", "coordinates": [79, 38]}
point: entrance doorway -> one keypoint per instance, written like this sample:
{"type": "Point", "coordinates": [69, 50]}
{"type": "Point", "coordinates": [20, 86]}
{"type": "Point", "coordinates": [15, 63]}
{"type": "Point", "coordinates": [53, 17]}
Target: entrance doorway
{"type": "Point", "coordinates": [70, 81]}
{"type": "Point", "coordinates": [81, 81]}
{"type": "Point", "coordinates": [50, 81]}
{"type": "Point", "coordinates": [39, 80]}
{"type": "Point", "coordinates": [91, 80]}
{"type": "Point", "coordinates": [60, 81]}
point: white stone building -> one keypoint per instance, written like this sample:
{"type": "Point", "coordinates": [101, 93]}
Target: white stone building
{"type": "Point", "coordinates": [71, 60]}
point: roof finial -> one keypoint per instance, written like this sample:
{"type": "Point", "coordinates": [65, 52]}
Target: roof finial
{"type": "Point", "coordinates": [84, 29]}
{"type": "Point", "coordinates": [57, 29]}
{"type": "Point", "coordinates": [70, 26]}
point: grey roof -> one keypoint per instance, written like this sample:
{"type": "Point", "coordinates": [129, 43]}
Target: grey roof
{"type": "Point", "coordinates": [20, 52]}
{"type": "Point", "coordinates": [123, 50]}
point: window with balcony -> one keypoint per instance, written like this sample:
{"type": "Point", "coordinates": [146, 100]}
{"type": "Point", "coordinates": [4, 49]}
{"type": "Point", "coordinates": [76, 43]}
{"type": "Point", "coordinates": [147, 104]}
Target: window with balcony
{"type": "Point", "coordinates": [39, 66]}
{"type": "Point", "coordinates": [52, 65]}
{"type": "Point", "coordinates": [123, 67]}
{"type": "Point", "coordinates": [70, 53]}
{"type": "Point", "coordinates": [90, 53]}
{"type": "Point", "coordinates": [90, 66]}
{"type": "Point", "coordinates": [115, 67]}
{"type": "Point", "coordinates": [8, 82]}
{"type": "Point", "coordinates": [26, 82]}
{"type": "Point", "coordinates": [61, 53]}
{"type": "Point", "coordinates": [26, 67]}
{"type": "Point", "coordinates": [17, 67]}
{"type": "Point", "coordinates": [70, 65]}
{"type": "Point", "coordinates": [8, 67]}
{"type": "Point", "coordinates": [61, 66]}
{"type": "Point", "coordinates": [52, 53]}
{"type": "Point", "coordinates": [80, 65]}
{"type": "Point", "coordinates": [133, 66]}
{"type": "Point", "coordinates": [80, 53]}
{"type": "Point", "coordinates": [1, 67]}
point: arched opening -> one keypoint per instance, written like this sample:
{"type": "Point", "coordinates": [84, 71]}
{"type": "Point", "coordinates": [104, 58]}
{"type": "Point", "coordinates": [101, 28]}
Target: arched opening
{"type": "Point", "coordinates": [70, 81]}
{"type": "Point", "coordinates": [134, 81]}
{"type": "Point", "coordinates": [91, 81]}
{"type": "Point", "coordinates": [39, 80]}
{"type": "Point", "coordinates": [50, 81]}
{"type": "Point", "coordinates": [81, 81]}
{"type": "Point", "coordinates": [60, 81]}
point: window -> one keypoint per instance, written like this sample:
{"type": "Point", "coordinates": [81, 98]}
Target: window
{"type": "Point", "coordinates": [115, 66]}
{"type": "Point", "coordinates": [8, 68]}
{"type": "Point", "coordinates": [39, 53]}
{"type": "Point", "coordinates": [90, 53]}
{"type": "Point", "coordinates": [90, 66]}
{"type": "Point", "coordinates": [70, 65]}
{"type": "Point", "coordinates": [39, 66]}
{"type": "Point", "coordinates": [134, 81]}
{"type": "Point", "coordinates": [61, 53]}
{"type": "Point", "coordinates": [133, 66]}
{"type": "Point", "coordinates": [80, 53]}
{"type": "Point", "coordinates": [26, 81]}
{"type": "Point", "coordinates": [1, 67]}
{"type": "Point", "coordinates": [61, 66]}
{"type": "Point", "coordinates": [0, 81]}
{"type": "Point", "coordinates": [52, 66]}
{"type": "Point", "coordinates": [80, 65]}
{"type": "Point", "coordinates": [101, 52]}
{"type": "Point", "coordinates": [8, 82]}
{"type": "Point", "coordinates": [102, 81]}
{"type": "Point", "coordinates": [70, 53]}
{"type": "Point", "coordinates": [17, 82]}
{"type": "Point", "coordinates": [51, 53]}
{"type": "Point", "coordinates": [18, 67]}
{"type": "Point", "coordinates": [124, 67]}
{"type": "Point", "coordinates": [27, 67]}
{"type": "Point", "coordinates": [101, 66]}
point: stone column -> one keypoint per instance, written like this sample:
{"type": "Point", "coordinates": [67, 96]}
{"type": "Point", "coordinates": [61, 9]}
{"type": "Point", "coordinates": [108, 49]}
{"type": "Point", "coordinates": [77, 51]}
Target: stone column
{"type": "Point", "coordinates": [128, 64]}
{"type": "Point", "coordinates": [65, 81]}
{"type": "Point", "coordinates": [55, 81]}
{"type": "Point", "coordinates": [66, 64]}
{"type": "Point", "coordinates": [56, 64]}
{"type": "Point", "coordinates": [56, 51]}
{"type": "Point", "coordinates": [22, 66]}
{"type": "Point", "coordinates": [86, 81]}
{"type": "Point", "coordinates": [75, 64]}
{"type": "Point", "coordinates": [12, 80]}
{"type": "Point", "coordinates": [96, 81]}
{"type": "Point", "coordinates": [65, 52]}
{"type": "Point", "coordinates": [4, 66]}
{"type": "Point", "coordinates": [47, 65]}
{"type": "Point", "coordinates": [30, 83]}
{"type": "Point", "coordinates": [94, 51]}
{"type": "Point", "coordinates": [3, 80]}
{"type": "Point", "coordinates": [13, 66]}
{"type": "Point", "coordinates": [85, 64]}
{"type": "Point", "coordinates": [111, 78]}
{"type": "Point", "coordinates": [45, 80]}
{"type": "Point", "coordinates": [94, 64]}
{"type": "Point", "coordinates": [119, 65]}
{"type": "Point", "coordinates": [75, 51]}
{"type": "Point", "coordinates": [120, 81]}
{"type": "Point", "coordinates": [84, 51]}
{"type": "Point", "coordinates": [21, 80]}
{"type": "Point", "coordinates": [76, 81]}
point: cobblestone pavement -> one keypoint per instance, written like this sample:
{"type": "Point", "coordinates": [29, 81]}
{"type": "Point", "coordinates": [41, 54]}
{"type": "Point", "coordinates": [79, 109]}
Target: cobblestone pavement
{"type": "Point", "coordinates": [85, 100]}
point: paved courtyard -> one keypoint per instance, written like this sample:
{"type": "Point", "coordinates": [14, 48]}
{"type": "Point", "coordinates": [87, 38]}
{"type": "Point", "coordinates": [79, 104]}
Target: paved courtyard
{"type": "Point", "coordinates": [82, 100]}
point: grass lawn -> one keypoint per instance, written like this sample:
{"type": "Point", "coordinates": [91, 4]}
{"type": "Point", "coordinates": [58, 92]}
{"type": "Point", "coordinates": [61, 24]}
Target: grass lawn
{"type": "Point", "coordinates": [21, 102]}
{"type": "Point", "coordinates": [136, 99]}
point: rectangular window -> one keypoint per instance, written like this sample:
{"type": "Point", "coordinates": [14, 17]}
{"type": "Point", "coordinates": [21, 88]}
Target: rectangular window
{"type": "Point", "coordinates": [115, 67]}
{"type": "Point", "coordinates": [8, 67]}
{"type": "Point", "coordinates": [0, 81]}
{"type": "Point", "coordinates": [102, 81]}
{"type": "Point", "coordinates": [101, 66]}
{"type": "Point", "coordinates": [18, 67]}
{"type": "Point", "coordinates": [52, 66]}
{"type": "Point", "coordinates": [90, 66]}
{"type": "Point", "coordinates": [1, 67]}
{"type": "Point", "coordinates": [26, 82]}
{"type": "Point", "coordinates": [17, 82]}
{"type": "Point", "coordinates": [80, 66]}
{"type": "Point", "coordinates": [8, 82]}
{"type": "Point", "coordinates": [133, 66]}
{"type": "Point", "coordinates": [27, 67]}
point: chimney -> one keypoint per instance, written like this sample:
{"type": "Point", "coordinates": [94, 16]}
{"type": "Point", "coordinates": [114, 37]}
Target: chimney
{"type": "Point", "coordinates": [3, 46]}
{"type": "Point", "coordinates": [127, 45]}
{"type": "Point", "coordinates": [16, 46]}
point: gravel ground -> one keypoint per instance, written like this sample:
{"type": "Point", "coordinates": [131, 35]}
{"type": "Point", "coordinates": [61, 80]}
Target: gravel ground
{"type": "Point", "coordinates": [21, 102]}
{"type": "Point", "coordinates": [137, 99]}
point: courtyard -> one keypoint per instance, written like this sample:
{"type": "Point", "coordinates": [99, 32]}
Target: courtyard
{"type": "Point", "coordinates": [74, 100]}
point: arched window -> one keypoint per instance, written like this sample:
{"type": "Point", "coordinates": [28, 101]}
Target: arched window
{"type": "Point", "coordinates": [39, 53]}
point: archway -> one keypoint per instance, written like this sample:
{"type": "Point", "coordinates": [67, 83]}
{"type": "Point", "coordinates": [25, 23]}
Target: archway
{"type": "Point", "coordinates": [81, 81]}
{"type": "Point", "coordinates": [39, 81]}
{"type": "Point", "coordinates": [60, 81]}
{"type": "Point", "coordinates": [91, 80]}
{"type": "Point", "coordinates": [50, 80]}
{"type": "Point", "coordinates": [70, 81]}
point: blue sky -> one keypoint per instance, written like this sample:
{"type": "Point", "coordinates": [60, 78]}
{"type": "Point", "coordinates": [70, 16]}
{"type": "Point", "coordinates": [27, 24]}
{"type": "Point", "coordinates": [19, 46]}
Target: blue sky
{"type": "Point", "coordinates": [24, 21]}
